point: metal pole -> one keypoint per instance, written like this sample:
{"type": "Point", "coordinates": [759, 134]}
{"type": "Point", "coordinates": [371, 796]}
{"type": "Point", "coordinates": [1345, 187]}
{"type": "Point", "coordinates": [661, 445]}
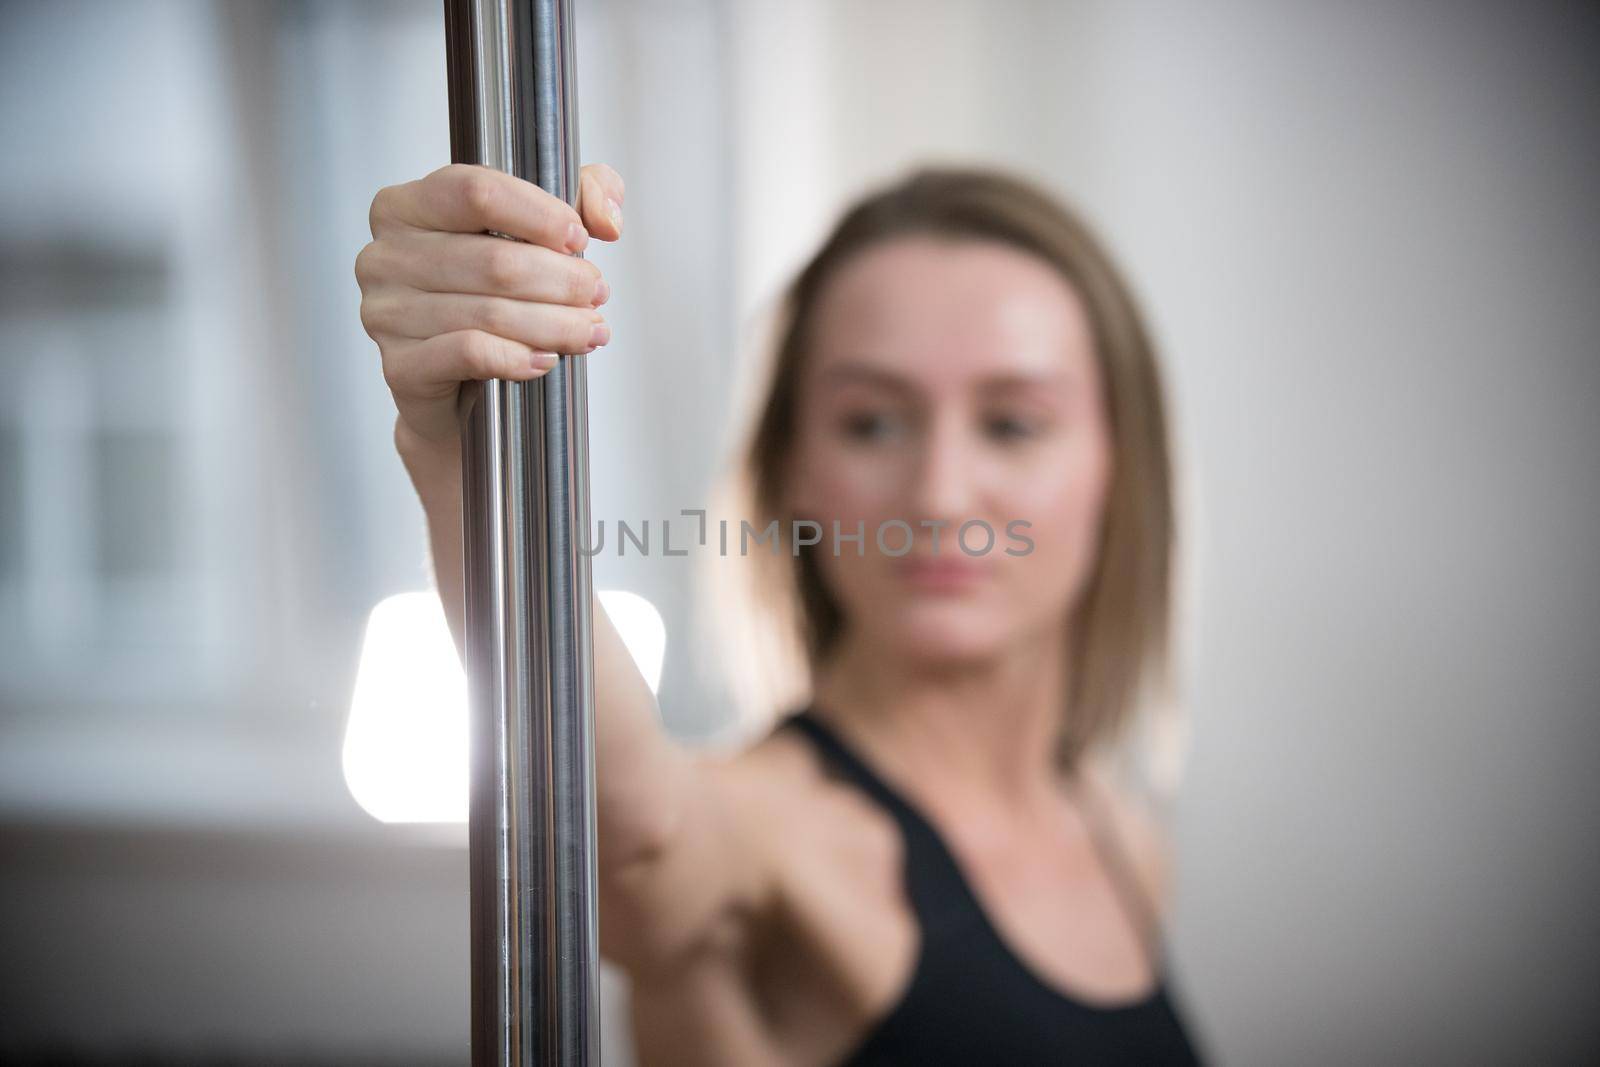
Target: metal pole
{"type": "Point", "coordinates": [529, 661]}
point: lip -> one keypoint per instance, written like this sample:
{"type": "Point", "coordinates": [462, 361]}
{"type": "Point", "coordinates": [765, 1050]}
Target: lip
{"type": "Point", "coordinates": [942, 573]}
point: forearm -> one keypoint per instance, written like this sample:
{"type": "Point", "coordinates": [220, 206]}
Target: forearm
{"type": "Point", "coordinates": [436, 475]}
{"type": "Point", "coordinates": [641, 774]}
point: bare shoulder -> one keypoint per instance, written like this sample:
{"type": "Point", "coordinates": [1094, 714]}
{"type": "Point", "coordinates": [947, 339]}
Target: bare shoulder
{"type": "Point", "coordinates": [1140, 830]}
{"type": "Point", "coordinates": [718, 871]}
{"type": "Point", "coordinates": [779, 753]}
{"type": "Point", "coordinates": [764, 780]}
{"type": "Point", "coordinates": [780, 784]}
{"type": "Point", "coordinates": [811, 847]}
{"type": "Point", "coordinates": [813, 832]}
{"type": "Point", "coordinates": [818, 895]}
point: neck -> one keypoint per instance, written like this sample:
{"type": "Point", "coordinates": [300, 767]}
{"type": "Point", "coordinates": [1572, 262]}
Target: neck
{"type": "Point", "coordinates": [980, 727]}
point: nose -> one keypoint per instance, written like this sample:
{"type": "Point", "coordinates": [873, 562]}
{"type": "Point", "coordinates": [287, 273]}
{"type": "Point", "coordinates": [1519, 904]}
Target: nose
{"type": "Point", "coordinates": [943, 484]}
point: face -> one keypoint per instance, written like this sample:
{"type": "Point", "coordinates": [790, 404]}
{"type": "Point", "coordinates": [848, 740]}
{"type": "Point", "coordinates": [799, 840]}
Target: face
{"type": "Point", "coordinates": [952, 381]}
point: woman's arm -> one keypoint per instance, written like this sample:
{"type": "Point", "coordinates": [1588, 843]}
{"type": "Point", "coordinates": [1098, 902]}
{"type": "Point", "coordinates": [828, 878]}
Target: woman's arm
{"type": "Point", "coordinates": [633, 821]}
{"type": "Point", "coordinates": [670, 868]}
{"type": "Point", "coordinates": [674, 866]}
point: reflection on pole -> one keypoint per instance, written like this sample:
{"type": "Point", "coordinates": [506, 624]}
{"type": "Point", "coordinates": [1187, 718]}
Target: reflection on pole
{"type": "Point", "coordinates": [525, 466]}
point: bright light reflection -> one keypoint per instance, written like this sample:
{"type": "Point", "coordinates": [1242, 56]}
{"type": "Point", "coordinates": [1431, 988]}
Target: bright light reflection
{"type": "Point", "coordinates": [405, 748]}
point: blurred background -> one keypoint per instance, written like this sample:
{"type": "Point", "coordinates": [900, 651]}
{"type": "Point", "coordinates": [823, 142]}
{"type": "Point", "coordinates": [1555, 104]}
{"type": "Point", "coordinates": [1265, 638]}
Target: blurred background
{"type": "Point", "coordinates": [1364, 232]}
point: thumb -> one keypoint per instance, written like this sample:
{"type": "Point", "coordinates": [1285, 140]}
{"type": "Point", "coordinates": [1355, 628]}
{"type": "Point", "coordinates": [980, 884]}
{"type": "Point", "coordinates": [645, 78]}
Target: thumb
{"type": "Point", "coordinates": [600, 201]}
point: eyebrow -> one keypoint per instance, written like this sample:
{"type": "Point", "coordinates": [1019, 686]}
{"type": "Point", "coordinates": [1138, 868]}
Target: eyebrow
{"type": "Point", "coordinates": [856, 371]}
{"type": "Point", "coordinates": [1009, 381]}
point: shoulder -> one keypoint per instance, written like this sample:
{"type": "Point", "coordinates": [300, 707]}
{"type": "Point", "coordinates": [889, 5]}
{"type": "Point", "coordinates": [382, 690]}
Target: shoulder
{"type": "Point", "coordinates": [809, 822]}
{"type": "Point", "coordinates": [1140, 832]}
{"type": "Point", "coordinates": [816, 847]}
{"type": "Point", "coordinates": [717, 872]}
{"type": "Point", "coordinates": [767, 777]}
{"type": "Point", "coordinates": [790, 786]}
{"type": "Point", "coordinates": [780, 788]}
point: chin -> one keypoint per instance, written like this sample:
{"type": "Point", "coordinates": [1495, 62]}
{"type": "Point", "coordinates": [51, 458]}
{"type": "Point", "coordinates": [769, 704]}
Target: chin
{"type": "Point", "coordinates": [946, 630]}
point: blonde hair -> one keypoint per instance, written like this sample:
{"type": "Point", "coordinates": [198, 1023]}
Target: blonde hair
{"type": "Point", "coordinates": [1121, 640]}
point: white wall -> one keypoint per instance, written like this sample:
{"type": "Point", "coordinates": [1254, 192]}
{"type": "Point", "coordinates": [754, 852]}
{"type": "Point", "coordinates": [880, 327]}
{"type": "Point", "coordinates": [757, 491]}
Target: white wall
{"type": "Point", "coordinates": [1362, 232]}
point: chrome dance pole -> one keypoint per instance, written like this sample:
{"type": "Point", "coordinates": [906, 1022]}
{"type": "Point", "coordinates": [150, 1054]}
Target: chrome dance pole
{"type": "Point", "coordinates": [529, 660]}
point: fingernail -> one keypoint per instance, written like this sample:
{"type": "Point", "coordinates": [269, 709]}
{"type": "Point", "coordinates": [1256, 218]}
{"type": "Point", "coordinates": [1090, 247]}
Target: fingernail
{"type": "Point", "coordinates": [599, 335]}
{"type": "Point", "coordinates": [545, 360]}
{"type": "Point", "coordinates": [614, 209]}
{"type": "Point", "coordinates": [577, 237]}
{"type": "Point", "coordinates": [602, 292]}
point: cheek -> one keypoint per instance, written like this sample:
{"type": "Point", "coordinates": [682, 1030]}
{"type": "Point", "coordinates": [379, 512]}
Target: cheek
{"type": "Point", "coordinates": [840, 485]}
{"type": "Point", "coordinates": [1070, 496]}
{"type": "Point", "coordinates": [1065, 506]}
{"type": "Point", "coordinates": [861, 494]}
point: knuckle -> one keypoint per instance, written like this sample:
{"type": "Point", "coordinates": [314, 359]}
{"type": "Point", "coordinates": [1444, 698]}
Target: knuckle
{"type": "Point", "coordinates": [493, 316]}
{"type": "Point", "coordinates": [372, 315]}
{"type": "Point", "coordinates": [476, 351]}
{"type": "Point", "coordinates": [365, 265]}
{"type": "Point", "coordinates": [581, 331]}
{"type": "Point", "coordinates": [452, 178]}
{"type": "Point", "coordinates": [581, 281]}
{"type": "Point", "coordinates": [478, 192]}
{"type": "Point", "coordinates": [502, 265]}
{"type": "Point", "coordinates": [378, 212]}
{"type": "Point", "coordinates": [391, 373]}
{"type": "Point", "coordinates": [560, 216]}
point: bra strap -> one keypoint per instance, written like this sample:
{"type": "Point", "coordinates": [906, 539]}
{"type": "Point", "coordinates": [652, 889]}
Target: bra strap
{"type": "Point", "coordinates": [935, 883]}
{"type": "Point", "coordinates": [939, 889]}
{"type": "Point", "coordinates": [840, 756]}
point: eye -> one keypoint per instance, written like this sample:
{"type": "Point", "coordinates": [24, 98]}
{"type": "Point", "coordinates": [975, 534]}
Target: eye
{"type": "Point", "coordinates": [1011, 428]}
{"type": "Point", "coordinates": [869, 426]}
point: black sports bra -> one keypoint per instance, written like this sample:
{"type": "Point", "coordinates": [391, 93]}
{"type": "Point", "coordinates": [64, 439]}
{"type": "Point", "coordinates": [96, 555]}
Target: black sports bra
{"type": "Point", "coordinates": [971, 1001]}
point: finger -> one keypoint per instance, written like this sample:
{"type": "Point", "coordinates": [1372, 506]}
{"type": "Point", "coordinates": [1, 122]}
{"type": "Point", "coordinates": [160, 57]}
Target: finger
{"type": "Point", "coordinates": [418, 316]}
{"type": "Point", "coordinates": [419, 371]}
{"type": "Point", "coordinates": [462, 198]}
{"type": "Point", "coordinates": [600, 192]}
{"type": "Point", "coordinates": [478, 264]}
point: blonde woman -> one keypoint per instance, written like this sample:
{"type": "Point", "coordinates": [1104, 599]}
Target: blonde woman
{"type": "Point", "coordinates": [918, 866]}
